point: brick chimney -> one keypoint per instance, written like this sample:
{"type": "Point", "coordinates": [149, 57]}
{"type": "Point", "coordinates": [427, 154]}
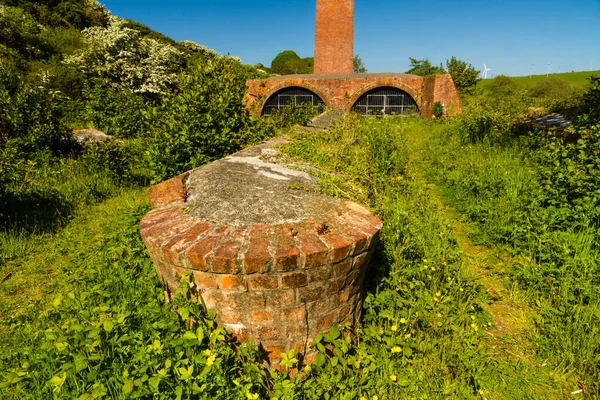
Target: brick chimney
{"type": "Point", "coordinates": [334, 39]}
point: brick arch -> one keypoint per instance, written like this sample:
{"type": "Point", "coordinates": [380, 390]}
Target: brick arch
{"type": "Point", "coordinates": [415, 93]}
{"type": "Point", "coordinates": [287, 84]}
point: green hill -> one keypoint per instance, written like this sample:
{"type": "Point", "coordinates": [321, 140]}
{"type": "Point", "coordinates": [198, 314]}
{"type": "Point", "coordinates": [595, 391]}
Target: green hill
{"type": "Point", "coordinates": [576, 78]}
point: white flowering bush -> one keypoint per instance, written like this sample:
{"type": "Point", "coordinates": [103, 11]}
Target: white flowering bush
{"type": "Point", "coordinates": [124, 58]}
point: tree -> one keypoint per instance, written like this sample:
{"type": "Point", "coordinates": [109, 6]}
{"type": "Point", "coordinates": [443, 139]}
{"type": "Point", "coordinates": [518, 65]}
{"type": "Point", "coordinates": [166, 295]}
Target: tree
{"type": "Point", "coordinates": [424, 68]}
{"type": "Point", "coordinates": [465, 77]}
{"type": "Point", "coordinates": [288, 62]}
{"type": "Point", "coordinates": [359, 66]}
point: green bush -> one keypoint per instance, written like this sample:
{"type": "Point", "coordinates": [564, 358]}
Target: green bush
{"type": "Point", "coordinates": [203, 121]}
{"type": "Point", "coordinates": [438, 109]}
{"type": "Point", "coordinates": [30, 117]}
{"type": "Point", "coordinates": [503, 86]}
{"type": "Point", "coordinates": [116, 112]}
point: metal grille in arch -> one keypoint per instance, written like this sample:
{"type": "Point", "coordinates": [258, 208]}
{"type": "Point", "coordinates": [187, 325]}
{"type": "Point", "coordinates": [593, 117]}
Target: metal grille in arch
{"type": "Point", "coordinates": [290, 96]}
{"type": "Point", "coordinates": [386, 101]}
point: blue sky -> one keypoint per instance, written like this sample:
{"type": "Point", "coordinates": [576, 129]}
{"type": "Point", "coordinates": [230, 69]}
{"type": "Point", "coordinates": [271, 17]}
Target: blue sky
{"type": "Point", "coordinates": [508, 36]}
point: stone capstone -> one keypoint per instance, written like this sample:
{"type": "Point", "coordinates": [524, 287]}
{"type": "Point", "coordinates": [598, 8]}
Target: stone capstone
{"type": "Point", "coordinates": [276, 260]}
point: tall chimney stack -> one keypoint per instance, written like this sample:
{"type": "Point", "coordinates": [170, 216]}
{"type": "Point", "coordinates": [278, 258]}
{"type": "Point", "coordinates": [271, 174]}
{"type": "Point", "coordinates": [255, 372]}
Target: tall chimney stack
{"type": "Point", "coordinates": [334, 39]}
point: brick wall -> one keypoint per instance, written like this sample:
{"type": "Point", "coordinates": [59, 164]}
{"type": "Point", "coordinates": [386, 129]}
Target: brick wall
{"type": "Point", "coordinates": [280, 285]}
{"type": "Point", "coordinates": [334, 39]}
{"type": "Point", "coordinates": [342, 91]}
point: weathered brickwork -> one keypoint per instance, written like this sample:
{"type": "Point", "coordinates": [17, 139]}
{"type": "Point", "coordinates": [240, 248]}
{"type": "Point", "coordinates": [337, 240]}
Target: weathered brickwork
{"type": "Point", "coordinates": [280, 285]}
{"type": "Point", "coordinates": [334, 39]}
{"type": "Point", "coordinates": [341, 92]}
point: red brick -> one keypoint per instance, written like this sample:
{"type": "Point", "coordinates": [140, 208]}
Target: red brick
{"type": "Point", "coordinates": [354, 235]}
{"type": "Point", "coordinates": [257, 256]}
{"type": "Point", "coordinates": [225, 258]}
{"type": "Point", "coordinates": [294, 280]}
{"type": "Point", "coordinates": [220, 300]}
{"type": "Point", "coordinates": [263, 282]}
{"type": "Point", "coordinates": [286, 254]}
{"type": "Point", "coordinates": [334, 39]}
{"type": "Point", "coordinates": [163, 229]}
{"type": "Point", "coordinates": [261, 317]}
{"type": "Point", "coordinates": [205, 280]}
{"type": "Point", "coordinates": [296, 331]}
{"type": "Point", "coordinates": [309, 359]}
{"type": "Point", "coordinates": [255, 300]}
{"type": "Point", "coordinates": [197, 253]}
{"type": "Point", "coordinates": [352, 278]}
{"type": "Point", "coordinates": [178, 243]}
{"type": "Point", "coordinates": [342, 269]}
{"type": "Point", "coordinates": [312, 293]}
{"type": "Point", "coordinates": [268, 333]}
{"type": "Point", "coordinates": [167, 191]}
{"type": "Point", "coordinates": [344, 296]}
{"type": "Point", "coordinates": [313, 249]}
{"type": "Point", "coordinates": [340, 247]}
{"type": "Point", "coordinates": [230, 282]}
{"type": "Point", "coordinates": [158, 216]}
{"type": "Point", "coordinates": [320, 274]}
{"type": "Point", "coordinates": [230, 317]}
{"type": "Point", "coordinates": [281, 298]}
{"type": "Point", "coordinates": [293, 314]}
{"type": "Point", "coordinates": [325, 322]}
{"type": "Point", "coordinates": [320, 306]}
{"type": "Point", "coordinates": [274, 352]}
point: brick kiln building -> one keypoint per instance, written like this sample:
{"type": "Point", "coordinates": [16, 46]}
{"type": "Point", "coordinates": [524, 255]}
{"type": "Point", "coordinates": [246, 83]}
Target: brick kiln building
{"type": "Point", "coordinates": [335, 85]}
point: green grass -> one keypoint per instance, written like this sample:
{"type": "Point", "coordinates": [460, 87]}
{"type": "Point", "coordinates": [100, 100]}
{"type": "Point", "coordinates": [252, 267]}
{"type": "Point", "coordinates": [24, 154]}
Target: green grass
{"type": "Point", "coordinates": [479, 300]}
{"type": "Point", "coordinates": [576, 78]}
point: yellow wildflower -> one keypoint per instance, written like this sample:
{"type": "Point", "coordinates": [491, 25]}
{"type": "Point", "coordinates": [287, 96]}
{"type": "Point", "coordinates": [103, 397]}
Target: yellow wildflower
{"type": "Point", "coordinates": [394, 328]}
{"type": "Point", "coordinates": [375, 397]}
{"type": "Point", "coordinates": [393, 378]}
{"type": "Point", "coordinates": [396, 349]}
{"type": "Point", "coordinates": [206, 352]}
{"type": "Point", "coordinates": [211, 360]}
{"type": "Point", "coordinates": [252, 396]}
{"type": "Point", "coordinates": [402, 320]}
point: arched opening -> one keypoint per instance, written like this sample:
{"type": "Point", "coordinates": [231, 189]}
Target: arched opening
{"type": "Point", "coordinates": [386, 101]}
{"type": "Point", "coordinates": [290, 96]}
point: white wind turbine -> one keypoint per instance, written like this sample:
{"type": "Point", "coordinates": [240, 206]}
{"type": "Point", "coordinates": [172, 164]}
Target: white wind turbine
{"type": "Point", "coordinates": [485, 71]}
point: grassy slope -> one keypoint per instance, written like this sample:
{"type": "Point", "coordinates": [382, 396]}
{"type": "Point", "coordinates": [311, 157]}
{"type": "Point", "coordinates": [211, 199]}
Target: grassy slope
{"type": "Point", "coordinates": [576, 78]}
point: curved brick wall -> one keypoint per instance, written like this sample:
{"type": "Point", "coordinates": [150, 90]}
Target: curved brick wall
{"type": "Point", "coordinates": [288, 265]}
{"type": "Point", "coordinates": [342, 91]}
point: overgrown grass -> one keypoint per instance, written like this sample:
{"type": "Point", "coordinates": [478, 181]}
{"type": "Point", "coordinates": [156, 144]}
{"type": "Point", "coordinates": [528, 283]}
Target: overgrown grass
{"type": "Point", "coordinates": [525, 195]}
{"type": "Point", "coordinates": [83, 314]}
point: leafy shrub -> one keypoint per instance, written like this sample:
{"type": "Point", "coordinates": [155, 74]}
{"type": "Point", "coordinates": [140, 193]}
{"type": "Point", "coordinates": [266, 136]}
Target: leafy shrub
{"type": "Point", "coordinates": [20, 31]}
{"type": "Point", "coordinates": [591, 101]}
{"type": "Point", "coordinates": [438, 109]}
{"type": "Point", "coordinates": [30, 117]}
{"type": "Point", "coordinates": [125, 58]}
{"type": "Point", "coordinates": [117, 112]}
{"type": "Point", "coordinates": [503, 86]}
{"type": "Point", "coordinates": [203, 121]}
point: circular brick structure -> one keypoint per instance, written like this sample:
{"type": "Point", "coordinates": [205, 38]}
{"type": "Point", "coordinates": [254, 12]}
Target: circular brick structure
{"type": "Point", "coordinates": [277, 261]}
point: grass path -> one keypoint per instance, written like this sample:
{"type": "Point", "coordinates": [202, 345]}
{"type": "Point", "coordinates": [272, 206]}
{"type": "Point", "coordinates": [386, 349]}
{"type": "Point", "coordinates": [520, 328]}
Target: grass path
{"type": "Point", "coordinates": [519, 372]}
